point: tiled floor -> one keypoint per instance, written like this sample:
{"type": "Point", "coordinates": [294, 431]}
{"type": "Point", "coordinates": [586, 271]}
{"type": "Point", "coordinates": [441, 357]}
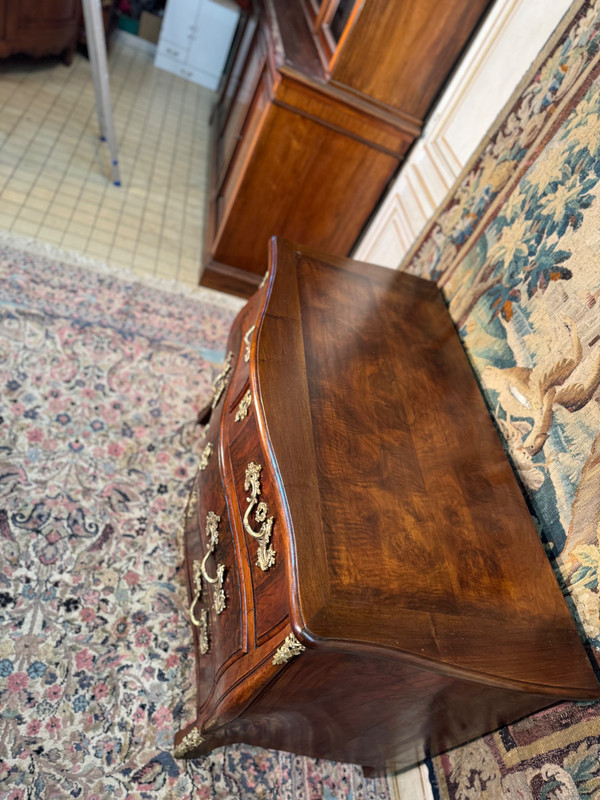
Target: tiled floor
{"type": "Point", "coordinates": [55, 174]}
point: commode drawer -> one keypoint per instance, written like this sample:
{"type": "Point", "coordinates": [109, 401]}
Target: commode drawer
{"type": "Point", "coordinates": [254, 504]}
{"type": "Point", "coordinates": [216, 591]}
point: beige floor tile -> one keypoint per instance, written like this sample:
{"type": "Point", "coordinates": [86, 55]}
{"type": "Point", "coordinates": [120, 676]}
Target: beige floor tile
{"type": "Point", "coordinates": [152, 218]}
{"type": "Point", "coordinates": [77, 229]}
{"type": "Point", "coordinates": [49, 234]}
{"type": "Point", "coordinates": [41, 192]}
{"type": "Point", "coordinates": [143, 262]}
{"type": "Point", "coordinates": [6, 221]}
{"type": "Point", "coordinates": [151, 240]}
{"type": "Point", "coordinates": [108, 225]}
{"type": "Point", "coordinates": [113, 197]}
{"type": "Point", "coordinates": [98, 250]}
{"type": "Point", "coordinates": [189, 278]}
{"type": "Point", "coordinates": [143, 272]}
{"type": "Point", "coordinates": [86, 207]}
{"type": "Point", "coordinates": [29, 214]}
{"type": "Point", "coordinates": [38, 204]}
{"type": "Point", "coordinates": [146, 249]}
{"type": "Point", "coordinates": [71, 188]}
{"type": "Point", "coordinates": [83, 219]}
{"type": "Point", "coordinates": [25, 227]}
{"type": "Point", "coordinates": [103, 237]}
{"type": "Point", "coordinates": [11, 209]}
{"type": "Point", "coordinates": [44, 182]}
{"type": "Point", "coordinates": [126, 243]}
{"type": "Point", "coordinates": [19, 198]}
{"type": "Point", "coordinates": [127, 230]}
{"type": "Point", "coordinates": [190, 263]}
{"type": "Point", "coordinates": [56, 222]}
{"type": "Point", "coordinates": [121, 253]}
{"type": "Point", "coordinates": [164, 269]}
{"type": "Point", "coordinates": [72, 242]}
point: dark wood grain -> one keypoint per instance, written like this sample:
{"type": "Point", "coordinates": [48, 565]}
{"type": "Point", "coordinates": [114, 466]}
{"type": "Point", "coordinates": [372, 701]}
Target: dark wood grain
{"type": "Point", "coordinates": [408, 565]}
{"type": "Point", "coordinates": [400, 53]}
{"type": "Point", "coordinates": [39, 27]}
{"type": "Point", "coordinates": [304, 146]}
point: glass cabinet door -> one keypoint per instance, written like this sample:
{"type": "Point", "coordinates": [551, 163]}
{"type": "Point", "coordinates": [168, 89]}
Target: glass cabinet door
{"type": "Point", "coordinates": [330, 19]}
{"type": "Point", "coordinates": [340, 17]}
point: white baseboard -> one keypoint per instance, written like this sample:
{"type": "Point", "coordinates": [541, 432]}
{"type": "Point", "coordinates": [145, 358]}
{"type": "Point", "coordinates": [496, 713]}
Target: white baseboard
{"type": "Point", "coordinates": [413, 784]}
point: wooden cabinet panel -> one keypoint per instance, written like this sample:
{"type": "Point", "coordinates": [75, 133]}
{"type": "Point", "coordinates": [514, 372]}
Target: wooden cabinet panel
{"type": "Point", "coordinates": [329, 200]}
{"type": "Point", "coordinates": [400, 53]}
{"type": "Point", "coordinates": [40, 28]}
{"type": "Point", "coordinates": [37, 13]}
{"type": "Point", "coordinates": [307, 135]}
{"type": "Point", "coordinates": [237, 142]}
{"type": "Point", "coordinates": [240, 108]}
{"type": "Point", "coordinates": [243, 46]}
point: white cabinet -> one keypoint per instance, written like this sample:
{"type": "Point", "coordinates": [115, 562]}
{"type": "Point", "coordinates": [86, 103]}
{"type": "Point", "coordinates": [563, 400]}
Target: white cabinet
{"type": "Point", "coordinates": [195, 38]}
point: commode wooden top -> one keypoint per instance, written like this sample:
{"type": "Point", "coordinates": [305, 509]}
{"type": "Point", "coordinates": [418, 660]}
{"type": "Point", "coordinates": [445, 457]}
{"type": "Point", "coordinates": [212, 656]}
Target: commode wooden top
{"type": "Point", "coordinates": [408, 530]}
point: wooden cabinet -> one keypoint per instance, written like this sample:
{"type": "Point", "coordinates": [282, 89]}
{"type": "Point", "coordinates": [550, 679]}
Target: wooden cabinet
{"type": "Point", "coordinates": [318, 108]}
{"type": "Point", "coordinates": [39, 27]}
{"type": "Point", "coordinates": [366, 582]}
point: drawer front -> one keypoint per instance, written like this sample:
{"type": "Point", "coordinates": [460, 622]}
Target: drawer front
{"type": "Point", "coordinates": [256, 507]}
{"type": "Point", "coordinates": [239, 345]}
{"type": "Point", "coordinates": [213, 575]}
{"type": "Point", "coordinates": [199, 608]}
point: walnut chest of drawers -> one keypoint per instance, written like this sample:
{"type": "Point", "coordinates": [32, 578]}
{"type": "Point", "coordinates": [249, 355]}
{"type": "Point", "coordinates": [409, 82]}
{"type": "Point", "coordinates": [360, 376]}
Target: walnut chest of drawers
{"type": "Point", "coordinates": [366, 583]}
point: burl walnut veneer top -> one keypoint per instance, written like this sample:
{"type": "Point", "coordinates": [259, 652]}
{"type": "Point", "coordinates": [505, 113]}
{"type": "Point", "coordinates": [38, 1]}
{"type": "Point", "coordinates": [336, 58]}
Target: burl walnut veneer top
{"type": "Point", "coordinates": [408, 531]}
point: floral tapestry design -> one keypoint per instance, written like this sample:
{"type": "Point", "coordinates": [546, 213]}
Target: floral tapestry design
{"type": "Point", "coordinates": [101, 384]}
{"type": "Point", "coordinates": [515, 251]}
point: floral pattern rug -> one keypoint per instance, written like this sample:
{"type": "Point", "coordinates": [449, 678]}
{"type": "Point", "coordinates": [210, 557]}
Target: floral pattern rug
{"type": "Point", "coordinates": [516, 250]}
{"type": "Point", "coordinates": [101, 381]}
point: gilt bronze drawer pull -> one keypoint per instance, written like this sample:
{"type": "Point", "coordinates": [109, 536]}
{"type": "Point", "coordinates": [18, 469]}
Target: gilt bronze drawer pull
{"type": "Point", "coordinates": [212, 532]}
{"type": "Point", "coordinates": [265, 553]}
{"type": "Point", "coordinates": [243, 407]}
{"type": "Point", "coordinates": [191, 504]}
{"type": "Point", "coordinates": [221, 380]}
{"type": "Point", "coordinates": [206, 454]}
{"type": "Point", "coordinates": [249, 333]}
{"type": "Point", "coordinates": [202, 623]}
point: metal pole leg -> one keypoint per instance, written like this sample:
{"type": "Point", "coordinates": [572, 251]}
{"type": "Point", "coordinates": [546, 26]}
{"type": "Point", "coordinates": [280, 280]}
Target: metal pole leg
{"type": "Point", "coordinates": [93, 58]}
{"type": "Point", "coordinates": [94, 30]}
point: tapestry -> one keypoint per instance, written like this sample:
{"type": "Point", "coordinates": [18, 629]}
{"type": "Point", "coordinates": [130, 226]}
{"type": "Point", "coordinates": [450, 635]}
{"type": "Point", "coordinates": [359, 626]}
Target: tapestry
{"type": "Point", "coordinates": [516, 251]}
{"type": "Point", "coordinates": [102, 379]}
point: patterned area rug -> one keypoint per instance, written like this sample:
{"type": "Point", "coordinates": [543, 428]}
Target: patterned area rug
{"type": "Point", "coordinates": [516, 251]}
{"type": "Point", "coordinates": [101, 381]}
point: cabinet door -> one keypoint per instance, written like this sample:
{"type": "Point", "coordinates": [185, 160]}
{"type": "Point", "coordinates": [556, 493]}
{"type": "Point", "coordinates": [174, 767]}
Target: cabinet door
{"type": "Point", "coordinates": [215, 26]}
{"type": "Point", "coordinates": [178, 27]}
